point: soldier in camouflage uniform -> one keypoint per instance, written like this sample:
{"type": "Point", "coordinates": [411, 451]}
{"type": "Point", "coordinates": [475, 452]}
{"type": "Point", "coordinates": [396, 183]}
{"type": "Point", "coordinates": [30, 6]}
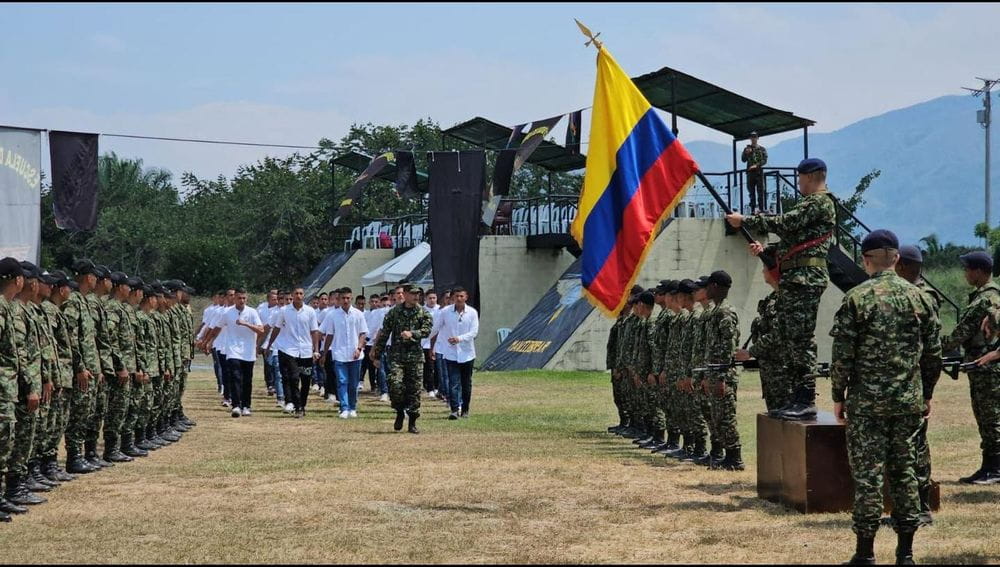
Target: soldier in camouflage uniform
{"type": "Point", "coordinates": [673, 367]}
{"type": "Point", "coordinates": [140, 380]}
{"type": "Point", "coordinates": [166, 356]}
{"type": "Point", "coordinates": [47, 419]}
{"type": "Point", "coordinates": [626, 351]}
{"type": "Point", "coordinates": [722, 340]}
{"type": "Point", "coordinates": [123, 356]}
{"type": "Point", "coordinates": [806, 234]}
{"type": "Point", "coordinates": [171, 332]}
{"type": "Point", "coordinates": [765, 347]}
{"type": "Point", "coordinates": [984, 382]}
{"type": "Point", "coordinates": [755, 156]}
{"type": "Point", "coordinates": [189, 330]}
{"type": "Point", "coordinates": [658, 338]}
{"type": "Point", "coordinates": [67, 351]}
{"type": "Point", "coordinates": [642, 370]}
{"type": "Point", "coordinates": [611, 363]}
{"type": "Point", "coordinates": [86, 365]}
{"type": "Point", "coordinates": [910, 263]}
{"type": "Point", "coordinates": [153, 358]}
{"type": "Point", "coordinates": [183, 327]}
{"type": "Point", "coordinates": [691, 355]}
{"type": "Point", "coordinates": [11, 362]}
{"type": "Point", "coordinates": [886, 362]}
{"type": "Point", "coordinates": [700, 337]}
{"type": "Point", "coordinates": [407, 324]}
{"type": "Point", "coordinates": [105, 336]}
{"type": "Point", "coordinates": [30, 394]}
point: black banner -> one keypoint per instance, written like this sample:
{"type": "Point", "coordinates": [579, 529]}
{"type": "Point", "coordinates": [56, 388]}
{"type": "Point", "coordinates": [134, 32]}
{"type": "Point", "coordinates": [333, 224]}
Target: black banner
{"type": "Point", "coordinates": [539, 129]}
{"type": "Point", "coordinates": [516, 136]}
{"type": "Point", "coordinates": [573, 131]}
{"type": "Point", "coordinates": [74, 179]}
{"type": "Point", "coordinates": [456, 189]}
{"type": "Point", "coordinates": [406, 175]}
{"type": "Point", "coordinates": [377, 164]}
{"type": "Point", "coordinates": [546, 328]}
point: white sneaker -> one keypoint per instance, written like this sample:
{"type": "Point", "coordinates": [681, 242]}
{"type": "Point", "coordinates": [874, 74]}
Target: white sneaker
{"type": "Point", "coordinates": [227, 404]}
{"type": "Point", "coordinates": [289, 407]}
{"type": "Point", "coordinates": [279, 403]}
{"type": "Point", "coordinates": [360, 387]}
{"type": "Point", "coordinates": [314, 388]}
{"type": "Point", "coordinates": [322, 392]}
{"type": "Point", "coordinates": [384, 398]}
{"type": "Point", "coordinates": [235, 413]}
{"type": "Point", "coordinates": [354, 413]}
{"type": "Point", "coordinates": [331, 400]}
{"type": "Point", "coordinates": [246, 411]}
{"type": "Point", "coordinates": [344, 415]}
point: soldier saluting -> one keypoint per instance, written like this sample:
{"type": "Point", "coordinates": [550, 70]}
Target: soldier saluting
{"type": "Point", "coordinates": [805, 233]}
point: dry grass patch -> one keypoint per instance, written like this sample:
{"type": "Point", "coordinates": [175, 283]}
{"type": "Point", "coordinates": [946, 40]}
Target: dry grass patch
{"type": "Point", "coordinates": [531, 477]}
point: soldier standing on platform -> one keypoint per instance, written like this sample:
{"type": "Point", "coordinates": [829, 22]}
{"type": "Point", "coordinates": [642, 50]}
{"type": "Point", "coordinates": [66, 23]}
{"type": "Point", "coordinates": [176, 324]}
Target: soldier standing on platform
{"type": "Point", "coordinates": [886, 361]}
{"type": "Point", "coordinates": [755, 156]}
{"type": "Point", "coordinates": [805, 231]}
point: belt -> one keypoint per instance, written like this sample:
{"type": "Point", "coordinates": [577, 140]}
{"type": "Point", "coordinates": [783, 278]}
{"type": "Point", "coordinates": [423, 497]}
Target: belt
{"type": "Point", "coordinates": [803, 263]}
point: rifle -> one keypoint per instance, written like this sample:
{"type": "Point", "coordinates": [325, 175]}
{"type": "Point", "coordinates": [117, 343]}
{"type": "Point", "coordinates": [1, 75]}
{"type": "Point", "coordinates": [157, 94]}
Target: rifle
{"type": "Point", "coordinates": [822, 371]}
{"type": "Point", "coordinates": [723, 366]}
{"type": "Point", "coordinates": [952, 365]}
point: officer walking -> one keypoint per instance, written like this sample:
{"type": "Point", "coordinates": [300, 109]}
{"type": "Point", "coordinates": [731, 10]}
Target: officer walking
{"type": "Point", "coordinates": [407, 323]}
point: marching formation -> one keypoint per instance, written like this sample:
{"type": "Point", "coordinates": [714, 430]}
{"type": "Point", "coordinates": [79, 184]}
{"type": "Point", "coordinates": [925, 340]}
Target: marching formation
{"type": "Point", "coordinates": [96, 353]}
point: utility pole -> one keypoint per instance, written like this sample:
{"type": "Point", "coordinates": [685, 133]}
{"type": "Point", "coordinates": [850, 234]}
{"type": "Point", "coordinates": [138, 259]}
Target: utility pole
{"type": "Point", "coordinates": [984, 119]}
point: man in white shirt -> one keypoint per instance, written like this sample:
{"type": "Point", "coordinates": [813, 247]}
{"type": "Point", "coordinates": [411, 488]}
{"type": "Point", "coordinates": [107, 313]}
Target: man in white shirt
{"type": "Point", "coordinates": [319, 377]}
{"type": "Point", "coordinates": [206, 317]}
{"type": "Point", "coordinates": [430, 378]}
{"type": "Point", "coordinates": [271, 355]}
{"type": "Point", "coordinates": [437, 352]}
{"type": "Point", "coordinates": [263, 310]}
{"type": "Point", "coordinates": [242, 326]}
{"type": "Point", "coordinates": [459, 326]}
{"type": "Point", "coordinates": [346, 331]}
{"type": "Point", "coordinates": [295, 333]}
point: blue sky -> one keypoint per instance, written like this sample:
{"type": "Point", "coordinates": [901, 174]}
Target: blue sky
{"type": "Point", "coordinates": [291, 73]}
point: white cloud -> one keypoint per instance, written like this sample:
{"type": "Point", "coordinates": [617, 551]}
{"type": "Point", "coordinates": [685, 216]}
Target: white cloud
{"type": "Point", "coordinates": [107, 42]}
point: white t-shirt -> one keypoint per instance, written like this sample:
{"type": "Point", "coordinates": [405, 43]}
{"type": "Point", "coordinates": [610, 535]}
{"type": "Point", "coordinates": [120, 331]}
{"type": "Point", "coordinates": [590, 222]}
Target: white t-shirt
{"type": "Point", "coordinates": [374, 319]}
{"type": "Point", "coordinates": [206, 318]}
{"type": "Point", "coordinates": [241, 342]}
{"type": "Point", "coordinates": [345, 328]}
{"type": "Point", "coordinates": [465, 327]}
{"type": "Point", "coordinates": [425, 343]}
{"type": "Point", "coordinates": [297, 325]}
{"type": "Point", "coordinates": [221, 341]}
{"type": "Point", "coordinates": [441, 343]}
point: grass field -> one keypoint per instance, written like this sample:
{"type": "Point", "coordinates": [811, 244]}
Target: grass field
{"type": "Point", "coordinates": [531, 477]}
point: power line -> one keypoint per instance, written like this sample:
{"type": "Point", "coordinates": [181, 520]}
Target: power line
{"type": "Point", "coordinates": [221, 142]}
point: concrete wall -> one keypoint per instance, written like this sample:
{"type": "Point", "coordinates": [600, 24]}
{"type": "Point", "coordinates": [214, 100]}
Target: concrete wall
{"type": "Point", "coordinates": [512, 279]}
{"type": "Point", "coordinates": [362, 262]}
{"type": "Point", "coordinates": [689, 248]}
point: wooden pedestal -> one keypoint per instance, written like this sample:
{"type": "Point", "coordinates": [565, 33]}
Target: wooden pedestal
{"type": "Point", "coordinates": [803, 465]}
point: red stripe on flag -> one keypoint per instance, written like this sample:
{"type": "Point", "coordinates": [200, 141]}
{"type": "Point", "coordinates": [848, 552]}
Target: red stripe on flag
{"type": "Point", "coordinates": [658, 190]}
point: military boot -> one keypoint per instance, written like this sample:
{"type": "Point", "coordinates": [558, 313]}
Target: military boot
{"type": "Point", "coordinates": [621, 423]}
{"type": "Point", "coordinates": [976, 475]}
{"type": "Point", "coordinates": [680, 450]}
{"type": "Point", "coordinates": [129, 448]}
{"type": "Point", "coordinates": [187, 420]}
{"type": "Point", "coordinates": [398, 424]}
{"type": "Point", "coordinates": [51, 469]}
{"type": "Point", "coordinates": [864, 551]}
{"type": "Point", "coordinates": [671, 443]}
{"type": "Point", "coordinates": [17, 492]}
{"type": "Point", "coordinates": [714, 456]}
{"type": "Point", "coordinates": [657, 442]}
{"type": "Point", "coordinates": [111, 451]}
{"type": "Point", "coordinates": [153, 436]}
{"type": "Point", "coordinates": [733, 460]}
{"type": "Point", "coordinates": [904, 549]}
{"type": "Point", "coordinates": [75, 463]}
{"type": "Point", "coordinates": [90, 454]}
{"type": "Point", "coordinates": [413, 424]}
{"type": "Point", "coordinates": [143, 441]}
{"type": "Point", "coordinates": [695, 454]}
{"type": "Point", "coordinates": [35, 481]}
{"type": "Point", "coordinates": [9, 507]}
{"type": "Point", "coordinates": [804, 406]}
{"type": "Point", "coordinates": [991, 472]}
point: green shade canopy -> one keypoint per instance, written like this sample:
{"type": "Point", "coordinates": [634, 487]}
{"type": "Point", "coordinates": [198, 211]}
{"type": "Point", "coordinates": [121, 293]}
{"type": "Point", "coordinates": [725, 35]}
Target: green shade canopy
{"type": "Point", "coordinates": [492, 136]}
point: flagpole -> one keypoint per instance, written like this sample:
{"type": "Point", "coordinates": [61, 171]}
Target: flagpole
{"type": "Point", "coordinates": [725, 207]}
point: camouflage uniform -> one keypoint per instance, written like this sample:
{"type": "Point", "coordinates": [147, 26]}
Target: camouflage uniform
{"type": "Point", "coordinates": [137, 390]}
{"type": "Point", "coordinates": [626, 354]}
{"type": "Point", "coordinates": [11, 362]}
{"type": "Point", "coordinates": [104, 336]}
{"type": "Point", "coordinates": [766, 348]}
{"type": "Point", "coordinates": [180, 320]}
{"type": "Point", "coordinates": [611, 362]}
{"type": "Point", "coordinates": [984, 383]}
{"type": "Point", "coordinates": [803, 280]}
{"type": "Point", "coordinates": [170, 346]}
{"type": "Point", "coordinates": [690, 402]}
{"type": "Point", "coordinates": [886, 361]}
{"type": "Point", "coordinates": [123, 354]}
{"type": "Point", "coordinates": [674, 366]}
{"type": "Point", "coordinates": [641, 364]}
{"type": "Point", "coordinates": [755, 177]}
{"type": "Point", "coordinates": [700, 335]}
{"type": "Point", "coordinates": [923, 466]}
{"type": "Point", "coordinates": [46, 419]}
{"type": "Point", "coordinates": [659, 334]}
{"type": "Point", "coordinates": [29, 381]}
{"type": "Point", "coordinates": [82, 332]}
{"type": "Point", "coordinates": [406, 357]}
{"type": "Point", "coordinates": [62, 395]}
{"type": "Point", "coordinates": [722, 340]}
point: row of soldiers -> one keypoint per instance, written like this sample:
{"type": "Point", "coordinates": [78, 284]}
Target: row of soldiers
{"type": "Point", "coordinates": [668, 401]}
{"type": "Point", "coordinates": [98, 353]}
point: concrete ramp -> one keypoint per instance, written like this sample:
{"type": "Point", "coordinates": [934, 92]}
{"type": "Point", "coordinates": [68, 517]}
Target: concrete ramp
{"type": "Point", "coordinates": [346, 268]}
{"type": "Point", "coordinates": [686, 248]}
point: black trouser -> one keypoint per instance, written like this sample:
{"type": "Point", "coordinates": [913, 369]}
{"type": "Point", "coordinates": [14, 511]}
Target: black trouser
{"type": "Point", "coordinates": [296, 374]}
{"type": "Point", "coordinates": [430, 379]}
{"type": "Point", "coordinates": [240, 382]}
{"type": "Point", "coordinates": [224, 366]}
{"type": "Point", "coordinates": [331, 376]}
{"type": "Point", "coordinates": [368, 368]}
{"type": "Point", "coordinates": [268, 379]}
{"type": "Point", "coordinates": [755, 186]}
{"type": "Point", "coordinates": [460, 383]}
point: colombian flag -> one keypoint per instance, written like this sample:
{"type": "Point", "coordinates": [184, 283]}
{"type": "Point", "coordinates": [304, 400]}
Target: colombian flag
{"type": "Point", "coordinates": [637, 172]}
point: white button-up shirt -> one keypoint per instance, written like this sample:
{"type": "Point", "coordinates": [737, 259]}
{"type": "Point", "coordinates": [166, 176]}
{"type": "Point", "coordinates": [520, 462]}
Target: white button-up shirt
{"type": "Point", "coordinates": [465, 327]}
{"type": "Point", "coordinates": [345, 328]}
{"type": "Point", "coordinates": [426, 343]}
{"type": "Point", "coordinates": [441, 343]}
{"type": "Point", "coordinates": [241, 342]}
{"type": "Point", "coordinates": [297, 325]}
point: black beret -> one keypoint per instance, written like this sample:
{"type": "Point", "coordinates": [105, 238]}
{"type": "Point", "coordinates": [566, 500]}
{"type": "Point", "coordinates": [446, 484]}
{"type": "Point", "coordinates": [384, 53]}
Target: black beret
{"type": "Point", "coordinates": [911, 253]}
{"type": "Point", "coordinates": [721, 278]}
{"type": "Point", "coordinates": [170, 285]}
{"type": "Point", "coordinates": [84, 267]}
{"type": "Point", "coordinates": [686, 286]}
{"type": "Point", "coordinates": [102, 272]}
{"type": "Point", "coordinates": [148, 290]}
{"type": "Point", "coordinates": [878, 239]}
{"type": "Point", "coordinates": [135, 282]}
{"type": "Point", "coordinates": [31, 271]}
{"type": "Point", "coordinates": [754, 134]}
{"type": "Point", "coordinates": [700, 282]}
{"type": "Point", "coordinates": [10, 268]}
{"type": "Point", "coordinates": [48, 279]}
{"type": "Point", "coordinates": [811, 165]}
{"type": "Point", "coordinates": [61, 278]}
{"type": "Point", "coordinates": [647, 298]}
{"type": "Point", "coordinates": [672, 287]}
{"type": "Point", "coordinates": [977, 260]}
{"type": "Point", "coordinates": [119, 278]}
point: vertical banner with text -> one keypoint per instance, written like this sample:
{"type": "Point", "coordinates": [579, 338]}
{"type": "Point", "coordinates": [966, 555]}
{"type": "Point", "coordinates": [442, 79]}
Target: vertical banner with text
{"type": "Point", "coordinates": [20, 185]}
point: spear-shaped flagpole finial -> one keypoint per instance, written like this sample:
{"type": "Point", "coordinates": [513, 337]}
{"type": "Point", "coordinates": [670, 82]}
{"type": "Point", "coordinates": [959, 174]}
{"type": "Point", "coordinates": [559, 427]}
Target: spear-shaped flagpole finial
{"type": "Point", "coordinates": [591, 36]}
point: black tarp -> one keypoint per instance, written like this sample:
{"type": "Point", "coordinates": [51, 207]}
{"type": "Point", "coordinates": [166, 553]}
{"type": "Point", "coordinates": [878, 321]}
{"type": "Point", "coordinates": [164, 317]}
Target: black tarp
{"type": "Point", "coordinates": [325, 270]}
{"type": "Point", "coordinates": [544, 330]}
{"type": "Point", "coordinates": [74, 179]}
{"type": "Point", "coordinates": [457, 180]}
